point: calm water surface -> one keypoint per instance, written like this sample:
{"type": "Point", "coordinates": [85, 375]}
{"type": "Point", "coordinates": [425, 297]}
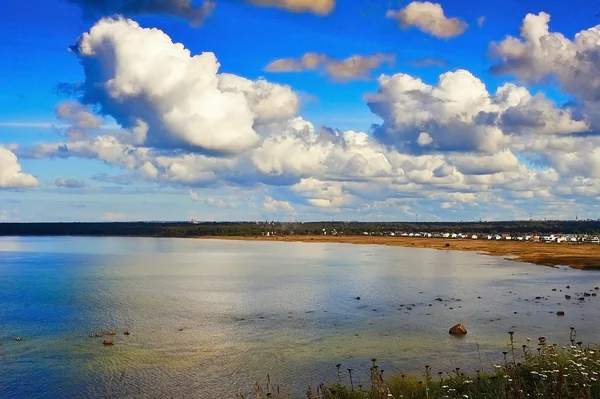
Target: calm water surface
{"type": "Point", "coordinates": [210, 317]}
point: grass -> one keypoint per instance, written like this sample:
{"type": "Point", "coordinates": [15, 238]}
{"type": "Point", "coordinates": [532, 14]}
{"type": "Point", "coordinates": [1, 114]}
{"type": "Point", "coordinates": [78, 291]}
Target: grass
{"type": "Point", "coordinates": [578, 256]}
{"type": "Point", "coordinates": [540, 370]}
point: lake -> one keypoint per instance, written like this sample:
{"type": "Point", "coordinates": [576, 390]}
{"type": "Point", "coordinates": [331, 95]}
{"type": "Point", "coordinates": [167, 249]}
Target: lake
{"type": "Point", "coordinates": [209, 317]}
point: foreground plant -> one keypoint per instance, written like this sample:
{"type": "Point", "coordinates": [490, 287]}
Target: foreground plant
{"type": "Point", "coordinates": [541, 371]}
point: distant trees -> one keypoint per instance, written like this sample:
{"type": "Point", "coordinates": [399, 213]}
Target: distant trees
{"type": "Point", "coordinates": [186, 229]}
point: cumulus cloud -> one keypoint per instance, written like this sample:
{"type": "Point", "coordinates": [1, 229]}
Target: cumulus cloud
{"type": "Point", "coordinates": [77, 115]}
{"type": "Point", "coordinates": [173, 99]}
{"type": "Point", "coordinates": [453, 144]}
{"type": "Point", "coordinates": [62, 182]}
{"type": "Point", "coordinates": [11, 175]}
{"type": "Point", "coordinates": [351, 68]}
{"type": "Point", "coordinates": [540, 55]}
{"type": "Point", "coordinates": [272, 205]}
{"type": "Point", "coordinates": [429, 18]}
{"type": "Point", "coordinates": [459, 114]}
{"type": "Point", "coordinates": [185, 9]}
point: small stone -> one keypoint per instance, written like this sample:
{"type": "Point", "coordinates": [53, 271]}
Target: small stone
{"type": "Point", "coordinates": [18, 339]}
{"type": "Point", "coordinates": [108, 341]}
{"type": "Point", "coordinates": [560, 313]}
{"type": "Point", "coordinates": [597, 288]}
{"type": "Point", "coordinates": [568, 287]}
{"type": "Point", "coordinates": [587, 294]}
{"type": "Point", "coordinates": [357, 298]}
{"type": "Point", "coordinates": [458, 329]}
{"type": "Point", "coordinates": [126, 332]}
{"type": "Point", "coordinates": [581, 299]}
{"type": "Point", "coordinates": [553, 289]}
{"type": "Point", "coordinates": [112, 333]}
{"type": "Point", "coordinates": [567, 296]}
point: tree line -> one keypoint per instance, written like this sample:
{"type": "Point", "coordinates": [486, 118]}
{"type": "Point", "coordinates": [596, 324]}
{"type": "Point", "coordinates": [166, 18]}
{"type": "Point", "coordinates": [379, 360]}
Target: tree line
{"type": "Point", "coordinates": [187, 229]}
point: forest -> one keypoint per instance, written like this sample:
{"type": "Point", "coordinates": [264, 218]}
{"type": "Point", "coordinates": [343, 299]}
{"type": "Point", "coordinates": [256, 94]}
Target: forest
{"type": "Point", "coordinates": [188, 229]}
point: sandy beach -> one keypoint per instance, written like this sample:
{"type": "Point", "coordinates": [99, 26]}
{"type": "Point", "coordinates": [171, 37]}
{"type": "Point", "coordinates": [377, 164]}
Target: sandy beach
{"type": "Point", "coordinates": [578, 256]}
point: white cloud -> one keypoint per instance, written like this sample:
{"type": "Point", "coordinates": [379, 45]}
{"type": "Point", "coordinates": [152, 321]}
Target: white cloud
{"type": "Point", "coordinates": [62, 182]}
{"type": "Point", "coordinates": [539, 55]}
{"type": "Point", "coordinates": [356, 67]}
{"type": "Point", "coordinates": [319, 7]}
{"type": "Point", "coordinates": [430, 18]}
{"type": "Point", "coordinates": [459, 114]}
{"type": "Point", "coordinates": [273, 205]}
{"type": "Point", "coordinates": [450, 145]}
{"type": "Point", "coordinates": [424, 139]}
{"type": "Point", "coordinates": [139, 75]}
{"type": "Point", "coordinates": [114, 216]}
{"type": "Point", "coordinates": [11, 175]}
{"type": "Point", "coordinates": [210, 201]}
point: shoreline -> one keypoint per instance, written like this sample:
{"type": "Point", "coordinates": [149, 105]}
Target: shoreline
{"type": "Point", "coordinates": [576, 256]}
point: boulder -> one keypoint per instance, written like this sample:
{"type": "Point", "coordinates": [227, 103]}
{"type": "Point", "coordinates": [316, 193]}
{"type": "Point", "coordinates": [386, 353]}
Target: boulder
{"type": "Point", "coordinates": [458, 329]}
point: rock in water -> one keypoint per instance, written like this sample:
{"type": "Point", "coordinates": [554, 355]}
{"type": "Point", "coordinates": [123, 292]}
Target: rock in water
{"type": "Point", "coordinates": [458, 329]}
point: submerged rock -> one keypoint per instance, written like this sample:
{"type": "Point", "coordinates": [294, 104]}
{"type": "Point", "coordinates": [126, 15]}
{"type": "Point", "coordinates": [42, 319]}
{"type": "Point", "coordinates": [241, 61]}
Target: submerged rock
{"type": "Point", "coordinates": [458, 329]}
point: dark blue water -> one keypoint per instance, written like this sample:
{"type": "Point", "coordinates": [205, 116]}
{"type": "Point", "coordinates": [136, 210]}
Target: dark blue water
{"type": "Point", "coordinates": [208, 317]}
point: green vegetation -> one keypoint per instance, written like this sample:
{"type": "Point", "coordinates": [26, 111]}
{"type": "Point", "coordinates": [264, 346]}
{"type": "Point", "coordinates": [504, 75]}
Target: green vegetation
{"type": "Point", "coordinates": [186, 229]}
{"type": "Point", "coordinates": [541, 371]}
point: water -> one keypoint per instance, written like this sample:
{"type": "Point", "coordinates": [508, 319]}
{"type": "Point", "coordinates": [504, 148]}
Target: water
{"type": "Point", "coordinates": [209, 317]}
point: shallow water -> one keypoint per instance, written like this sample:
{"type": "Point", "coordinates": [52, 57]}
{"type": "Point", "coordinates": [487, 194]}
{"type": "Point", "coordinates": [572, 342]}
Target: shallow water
{"type": "Point", "coordinates": [210, 317]}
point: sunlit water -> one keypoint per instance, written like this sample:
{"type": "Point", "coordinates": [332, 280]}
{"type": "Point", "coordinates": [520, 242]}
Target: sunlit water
{"type": "Point", "coordinates": [209, 317]}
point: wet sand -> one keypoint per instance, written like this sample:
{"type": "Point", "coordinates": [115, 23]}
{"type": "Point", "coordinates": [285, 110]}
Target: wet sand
{"type": "Point", "coordinates": [578, 256]}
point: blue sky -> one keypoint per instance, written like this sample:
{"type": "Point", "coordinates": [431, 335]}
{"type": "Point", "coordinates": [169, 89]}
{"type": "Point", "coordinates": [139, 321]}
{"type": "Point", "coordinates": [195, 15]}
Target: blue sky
{"type": "Point", "coordinates": [245, 38]}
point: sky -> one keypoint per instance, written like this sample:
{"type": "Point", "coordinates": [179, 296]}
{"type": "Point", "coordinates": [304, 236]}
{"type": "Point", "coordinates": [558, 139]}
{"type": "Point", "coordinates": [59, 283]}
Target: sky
{"type": "Point", "coordinates": [299, 110]}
